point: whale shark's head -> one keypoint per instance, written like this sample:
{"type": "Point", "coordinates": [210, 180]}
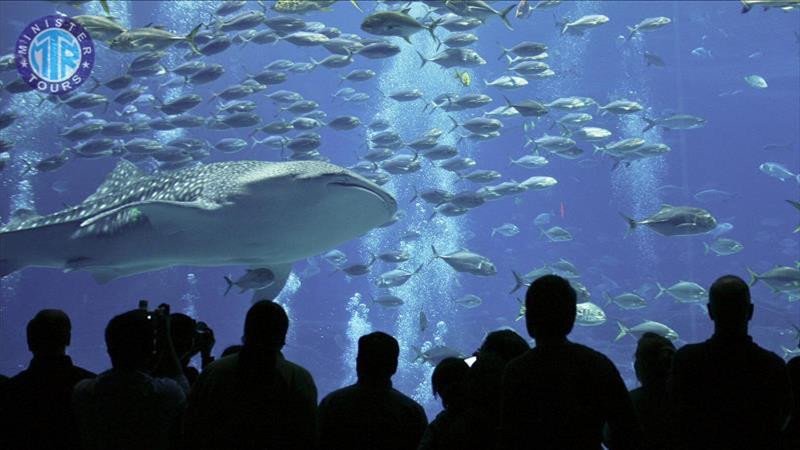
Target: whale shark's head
{"type": "Point", "coordinates": [312, 206]}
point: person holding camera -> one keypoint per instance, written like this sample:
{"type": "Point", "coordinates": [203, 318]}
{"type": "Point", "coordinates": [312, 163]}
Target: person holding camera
{"type": "Point", "coordinates": [138, 403]}
{"type": "Point", "coordinates": [190, 337]}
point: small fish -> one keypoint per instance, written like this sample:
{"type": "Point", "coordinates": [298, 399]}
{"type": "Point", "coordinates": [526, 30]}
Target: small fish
{"type": "Point", "coordinates": [254, 279]}
{"type": "Point", "coordinates": [723, 247]}
{"type": "Point", "coordinates": [464, 77]}
{"type": "Point", "coordinates": [506, 229]}
{"type": "Point", "coordinates": [756, 81]}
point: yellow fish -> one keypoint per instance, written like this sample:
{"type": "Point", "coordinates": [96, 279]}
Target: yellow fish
{"type": "Point", "coordinates": [464, 78]}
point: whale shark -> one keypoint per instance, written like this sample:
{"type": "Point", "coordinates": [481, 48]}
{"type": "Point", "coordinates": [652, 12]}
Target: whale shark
{"type": "Point", "coordinates": [254, 213]}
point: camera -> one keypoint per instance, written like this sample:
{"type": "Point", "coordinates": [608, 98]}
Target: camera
{"type": "Point", "coordinates": [160, 312]}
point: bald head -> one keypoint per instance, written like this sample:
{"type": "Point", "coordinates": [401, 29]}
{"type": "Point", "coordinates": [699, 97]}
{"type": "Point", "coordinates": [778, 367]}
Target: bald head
{"type": "Point", "coordinates": [49, 332]}
{"type": "Point", "coordinates": [729, 304]}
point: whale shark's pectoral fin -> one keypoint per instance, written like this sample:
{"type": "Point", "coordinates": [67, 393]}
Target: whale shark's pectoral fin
{"type": "Point", "coordinates": [281, 272]}
{"type": "Point", "coordinates": [167, 216]}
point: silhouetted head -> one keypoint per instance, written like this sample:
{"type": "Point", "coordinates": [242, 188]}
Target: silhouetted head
{"type": "Point", "coordinates": [130, 340]}
{"type": "Point", "coordinates": [231, 350]}
{"type": "Point", "coordinates": [49, 332]}
{"type": "Point", "coordinates": [506, 344]}
{"type": "Point", "coordinates": [182, 329]}
{"type": "Point", "coordinates": [448, 380]}
{"type": "Point", "coordinates": [653, 358]}
{"type": "Point", "coordinates": [265, 326]}
{"type": "Point", "coordinates": [550, 308]}
{"type": "Point", "coordinates": [377, 356]}
{"type": "Point", "coordinates": [729, 305]}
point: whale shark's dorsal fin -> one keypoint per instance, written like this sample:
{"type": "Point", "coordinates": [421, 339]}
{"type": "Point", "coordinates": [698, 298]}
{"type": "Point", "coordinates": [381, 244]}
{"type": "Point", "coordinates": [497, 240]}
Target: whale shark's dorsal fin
{"type": "Point", "coordinates": [22, 214]}
{"type": "Point", "coordinates": [125, 173]}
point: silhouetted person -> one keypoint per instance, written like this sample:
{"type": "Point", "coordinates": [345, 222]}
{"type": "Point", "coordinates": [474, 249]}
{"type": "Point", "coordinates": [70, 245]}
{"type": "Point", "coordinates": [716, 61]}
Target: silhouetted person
{"type": "Point", "coordinates": [189, 338]}
{"type": "Point", "coordinates": [559, 394]}
{"type": "Point", "coordinates": [450, 429]}
{"type": "Point", "coordinates": [792, 430]}
{"type": "Point", "coordinates": [370, 414]}
{"type": "Point", "coordinates": [231, 350]}
{"type": "Point", "coordinates": [35, 405]}
{"type": "Point", "coordinates": [254, 399]}
{"type": "Point", "coordinates": [126, 407]}
{"type": "Point", "coordinates": [729, 393]}
{"type": "Point", "coordinates": [485, 384]}
{"type": "Point", "coordinates": [652, 364]}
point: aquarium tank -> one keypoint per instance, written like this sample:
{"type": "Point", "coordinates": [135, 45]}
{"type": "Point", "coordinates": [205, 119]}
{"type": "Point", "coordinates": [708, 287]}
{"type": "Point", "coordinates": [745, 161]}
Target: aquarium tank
{"type": "Point", "coordinates": [402, 166]}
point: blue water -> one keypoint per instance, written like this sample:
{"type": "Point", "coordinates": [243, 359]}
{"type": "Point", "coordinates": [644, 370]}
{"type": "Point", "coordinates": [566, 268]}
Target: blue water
{"type": "Point", "coordinates": [329, 311]}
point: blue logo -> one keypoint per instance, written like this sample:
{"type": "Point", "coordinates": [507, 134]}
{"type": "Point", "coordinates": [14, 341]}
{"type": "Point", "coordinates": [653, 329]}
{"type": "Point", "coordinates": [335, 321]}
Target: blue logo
{"type": "Point", "coordinates": [54, 54]}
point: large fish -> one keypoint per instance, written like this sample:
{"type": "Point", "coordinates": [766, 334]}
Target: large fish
{"type": "Point", "coordinates": [261, 214]}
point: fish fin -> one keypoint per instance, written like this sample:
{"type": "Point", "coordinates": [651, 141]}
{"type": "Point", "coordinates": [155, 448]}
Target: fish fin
{"type": "Point", "coordinates": [271, 292]}
{"type": "Point", "coordinates": [519, 282]}
{"type": "Point", "coordinates": [661, 290]}
{"type": "Point", "coordinates": [422, 58]}
{"type": "Point", "coordinates": [650, 124]}
{"type": "Point", "coordinates": [504, 16]}
{"type": "Point", "coordinates": [608, 298]}
{"type": "Point", "coordinates": [455, 124]}
{"type": "Point", "coordinates": [631, 223]}
{"type": "Point", "coordinates": [503, 53]}
{"type": "Point", "coordinates": [191, 36]}
{"type": "Point", "coordinates": [753, 277]}
{"type": "Point", "coordinates": [9, 266]}
{"type": "Point", "coordinates": [123, 173]}
{"type": "Point", "coordinates": [230, 284]}
{"type": "Point", "coordinates": [623, 330]}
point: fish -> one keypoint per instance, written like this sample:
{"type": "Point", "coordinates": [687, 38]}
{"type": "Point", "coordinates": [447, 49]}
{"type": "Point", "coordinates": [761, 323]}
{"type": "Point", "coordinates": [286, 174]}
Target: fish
{"type": "Point", "coordinates": [675, 122]}
{"type": "Point", "coordinates": [389, 301]}
{"type": "Point", "coordinates": [423, 322]}
{"type": "Point", "coordinates": [453, 57]}
{"type": "Point", "coordinates": [684, 292]}
{"type": "Point", "coordinates": [779, 171]}
{"type": "Point", "coordinates": [219, 214]}
{"type": "Point", "coordinates": [467, 262]}
{"type": "Point", "coordinates": [395, 277]}
{"type": "Point", "coordinates": [396, 23]}
{"type": "Point", "coordinates": [648, 326]}
{"type": "Point", "coordinates": [524, 49]}
{"type": "Point", "coordinates": [580, 25]}
{"type": "Point", "coordinates": [588, 314]}
{"type": "Point", "coordinates": [150, 39]}
{"type": "Point", "coordinates": [779, 278]}
{"type": "Point", "coordinates": [676, 221]}
{"type": "Point", "coordinates": [649, 24]}
{"type": "Point", "coordinates": [468, 301]}
{"type": "Point", "coordinates": [506, 229]}
{"type": "Point", "coordinates": [557, 234]}
{"type": "Point", "coordinates": [628, 300]}
{"type": "Point", "coordinates": [723, 247]}
{"type": "Point", "coordinates": [713, 195]}
{"type": "Point", "coordinates": [756, 81]}
{"type": "Point", "coordinates": [651, 59]}
{"type": "Point", "coordinates": [254, 279]}
{"type": "Point", "coordinates": [435, 354]}
{"type": "Point", "coordinates": [506, 82]}
{"type": "Point", "coordinates": [464, 78]}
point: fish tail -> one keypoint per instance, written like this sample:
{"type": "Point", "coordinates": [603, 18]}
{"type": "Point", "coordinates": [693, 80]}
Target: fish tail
{"type": "Point", "coordinates": [786, 352]}
{"type": "Point", "coordinates": [191, 36]}
{"type": "Point", "coordinates": [455, 124]}
{"type": "Point", "coordinates": [503, 53]}
{"type": "Point", "coordinates": [623, 330]}
{"type": "Point", "coordinates": [706, 249]}
{"type": "Point", "coordinates": [661, 290]}
{"type": "Point", "coordinates": [650, 124]}
{"type": "Point", "coordinates": [519, 282]}
{"type": "Point", "coordinates": [230, 284]}
{"type": "Point", "coordinates": [631, 223]}
{"type": "Point", "coordinates": [504, 16]}
{"type": "Point", "coordinates": [753, 277]}
{"type": "Point", "coordinates": [423, 59]}
{"type": "Point", "coordinates": [431, 28]}
{"type": "Point", "coordinates": [632, 32]}
{"type": "Point", "coordinates": [435, 253]}
{"type": "Point", "coordinates": [96, 84]}
{"type": "Point", "coordinates": [608, 298]}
